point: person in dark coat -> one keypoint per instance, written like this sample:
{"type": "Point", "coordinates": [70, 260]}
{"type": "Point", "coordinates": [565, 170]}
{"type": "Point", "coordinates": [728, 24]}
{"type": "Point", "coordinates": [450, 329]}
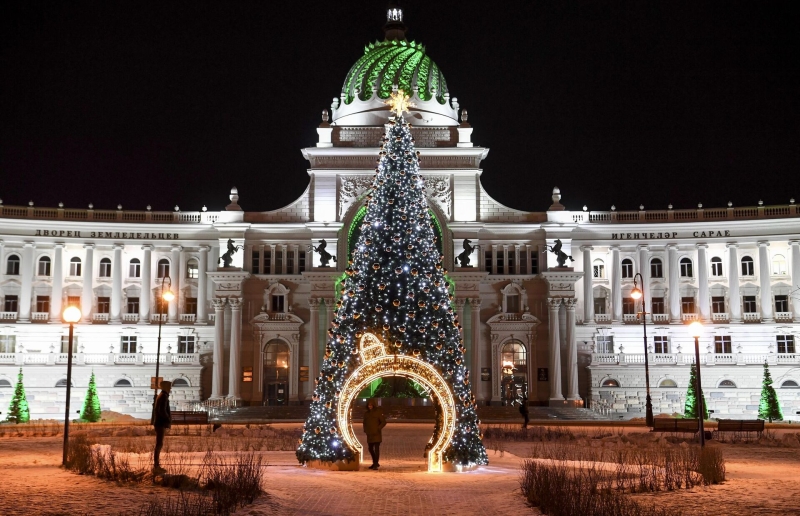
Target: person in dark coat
{"type": "Point", "coordinates": [523, 409]}
{"type": "Point", "coordinates": [162, 419]}
{"type": "Point", "coordinates": [374, 421]}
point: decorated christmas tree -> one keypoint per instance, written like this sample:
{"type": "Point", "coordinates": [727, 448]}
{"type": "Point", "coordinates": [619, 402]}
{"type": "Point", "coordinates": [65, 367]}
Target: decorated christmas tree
{"type": "Point", "coordinates": [18, 409]}
{"type": "Point", "coordinates": [396, 289]}
{"type": "Point", "coordinates": [91, 405]}
{"type": "Point", "coordinates": [692, 398]}
{"type": "Point", "coordinates": [769, 408]}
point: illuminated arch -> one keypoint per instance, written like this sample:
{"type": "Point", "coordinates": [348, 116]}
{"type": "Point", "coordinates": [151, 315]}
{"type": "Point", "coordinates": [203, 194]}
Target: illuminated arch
{"type": "Point", "coordinates": [376, 363]}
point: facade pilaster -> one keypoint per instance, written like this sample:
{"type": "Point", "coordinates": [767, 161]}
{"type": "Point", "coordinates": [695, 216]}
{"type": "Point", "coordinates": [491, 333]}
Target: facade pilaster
{"type": "Point", "coordinates": [202, 287]}
{"type": "Point", "coordinates": [313, 366]}
{"type": "Point", "coordinates": [146, 296]}
{"type": "Point", "coordinates": [116, 285]}
{"type": "Point", "coordinates": [588, 288]}
{"type": "Point", "coordinates": [87, 296]}
{"type": "Point", "coordinates": [734, 301]}
{"type": "Point", "coordinates": [475, 351]}
{"type": "Point", "coordinates": [175, 277]}
{"type": "Point", "coordinates": [572, 351]}
{"type": "Point", "coordinates": [765, 282]}
{"type": "Point", "coordinates": [702, 278]}
{"type": "Point", "coordinates": [27, 270]}
{"type": "Point", "coordinates": [516, 260]}
{"type": "Point", "coordinates": [236, 348]}
{"type": "Point", "coordinates": [261, 259]}
{"type": "Point", "coordinates": [219, 341]}
{"type": "Point", "coordinates": [494, 258]}
{"type": "Point", "coordinates": [644, 270]}
{"type": "Point", "coordinates": [296, 260]}
{"type": "Point", "coordinates": [273, 260]}
{"type": "Point", "coordinates": [795, 245]}
{"type": "Point", "coordinates": [674, 284]}
{"type": "Point", "coordinates": [555, 350]}
{"type": "Point", "coordinates": [506, 269]}
{"type": "Point", "coordinates": [284, 261]}
{"type": "Point", "coordinates": [57, 293]}
{"type": "Point", "coordinates": [616, 285]}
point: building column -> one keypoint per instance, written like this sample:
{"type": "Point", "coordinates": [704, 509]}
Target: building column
{"type": "Point", "coordinates": [236, 348]}
{"type": "Point", "coordinates": [116, 285]}
{"type": "Point", "coordinates": [284, 261]}
{"type": "Point", "coordinates": [494, 258]}
{"type": "Point", "coordinates": [572, 351]}
{"type": "Point", "coordinates": [27, 270]}
{"type": "Point", "coordinates": [616, 285]}
{"type": "Point", "coordinates": [202, 287]}
{"type": "Point", "coordinates": [219, 343]}
{"type": "Point", "coordinates": [702, 278]}
{"type": "Point", "coordinates": [87, 296]}
{"type": "Point", "coordinates": [765, 282]}
{"type": "Point", "coordinates": [261, 259]}
{"type": "Point", "coordinates": [517, 269]}
{"type": "Point", "coordinates": [175, 276]}
{"type": "Point", "coordinates": [296, 260]}
{"type": "Point", "coordinates": [57, 293]}
{"type": "Point", "coordinates": [506, 269]}
{"type": "Point", "coordinates": [734, 300]}
{"type": "Point", "coordinates": [475, 352]}
{"type": "Point", "coordinates": [674, 288]}
{"type": "Point", "coordinates": [555, 350]}
{"type": "Point", "coordinates": [146, 295]}
{"type": "Point", "coordinates": [795, 298]}
{"type": "Point", "coordinates": [588, 285]}
{"type": "Point", "coordinates": [644, 270]}
{"type": "Point", "coordinates": [313, 365]}
{"type": "Point", "coordinates": [272, 260]}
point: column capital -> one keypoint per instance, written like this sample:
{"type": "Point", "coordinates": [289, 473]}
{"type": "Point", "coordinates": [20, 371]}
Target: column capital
{"type": "Point", "coordinates": [474, 301]}
{"type": "Point", "coordinates": [554, 302]}
{"type": "Point", "coordinates": [794, 242]}
{"type": "Point", "coordinates": [460, 301]}
{"type": "Point", "coordinates": [88, 246]}
{"type": "Point", "coordinates": [732, 245]}
{"type": "Point", "coordinates": [763, 243]}
{"type": "Point", "coordinates": [219, 303]}
{"type": "Point", "coordinates": [314, 303]}
{"type": "Point", "coordinates": [177, 247]}
{"type": "Point", "coordinates": [585, 248]}
{"type": "Point", "coordinates": [614, 247]}
{"type": "Point", "coordinates": [118, 247]}
{"type": "Point", "coordinates": [569, 303]}
{"type": "Point", "coordinates": [147, 248]}
{"type": "Point", "coordinates": [701, 245]}
{"type": "Point", "coordinates": [235, 302]}
{"type": "Point", "coordinates": [29, 244]}
{"type": "Point", "coordinates": [643, 247]}
{"type": "Point", "coordinates": [672, 247]}
{"type": "Point", "coordinates": [204, 248]}
{"type": "Point", "coordinates": [57, 245]}
{"type": "Point", "coordinates": [272, 246]}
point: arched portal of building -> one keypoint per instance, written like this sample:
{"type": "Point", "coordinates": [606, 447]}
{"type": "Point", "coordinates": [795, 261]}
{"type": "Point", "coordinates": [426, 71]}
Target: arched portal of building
{"type": "Point", "coordinates": [514, 360]}
{"type": "Point", "coordinates": [376, 363]}
{"type": "Point", "coordinates": [276, 373]}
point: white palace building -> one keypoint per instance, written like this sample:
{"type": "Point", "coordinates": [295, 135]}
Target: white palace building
{"type": "Point", "coordinates": [255, 331]}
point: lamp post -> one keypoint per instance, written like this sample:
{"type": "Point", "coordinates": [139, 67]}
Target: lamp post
{"type": "Point", "coordinates": [71, 315]}
{"type": "Point", "coordinates": [636, 293]}
{"type": "Point", "coordinates": [166, 295]}
{"type": "Point", "coordinates": [695, 330]}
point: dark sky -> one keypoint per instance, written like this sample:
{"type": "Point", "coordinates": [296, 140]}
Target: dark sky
{"type": "Point", "coordinates": [168, 103]}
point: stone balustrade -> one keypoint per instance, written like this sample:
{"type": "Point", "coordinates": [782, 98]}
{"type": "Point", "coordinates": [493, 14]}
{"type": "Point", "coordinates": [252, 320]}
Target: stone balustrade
{"type": "Point", "coordinates": [709, 359]}
{"type": "Point", "coordinates": [109, 359]}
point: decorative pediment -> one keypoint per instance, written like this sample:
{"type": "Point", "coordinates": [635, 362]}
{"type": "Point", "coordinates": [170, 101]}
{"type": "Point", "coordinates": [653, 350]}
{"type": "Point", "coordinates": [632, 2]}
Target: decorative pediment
{"type": "Point", "coordinates": [513, 322]}
{"type": "Point", "coordinates": [273, 322]}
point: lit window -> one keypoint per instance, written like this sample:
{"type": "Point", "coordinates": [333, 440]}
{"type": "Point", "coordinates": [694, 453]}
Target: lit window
{"type": "Point", "coordinates": [75, 267]}
{"type": "Point", "coordinates": [609, 382]}
{"type": "Point", "coordinates": [193, 269]}
{"type": "Point", "coordinates": [656, 268]}
{"type": "Point", "coordinates": [44, 266]}
{"type": "Point", "coordinates": [686, 268]}
{"type": "Point", "coordinates": [747, 266]}
{"type": "Point", "coordinates": [667, 383]}
{"type": "Point", "coordinates": [627, 268]}
{"type": "Point", "coordinates": [598, 269]}
{"type": "Point", "coordinates": [779, 265]}
{"type": "Point", "coordinates": [135, 268]}
{"type": "Point", "coordinates": [105, 268]}
{"type": "Point", "coordinates": [12, 265]}
{"type": "Point", "coordinates": [163, 268]}
{"type": "Point", "coordinates": [716, 266]}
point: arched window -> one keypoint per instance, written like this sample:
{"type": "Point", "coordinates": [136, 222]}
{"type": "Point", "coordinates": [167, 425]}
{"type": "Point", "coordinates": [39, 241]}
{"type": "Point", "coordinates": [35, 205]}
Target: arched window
{"type": "Point", "coordinates": [192, 269]}
{"type": "Point", "coordinates": [514, 359]}
{"type": "Point", "coordinates": [62, 383]}
{"type": "Point", "coordinates": [686, 267]}
{"type": "Point", "coordinates": [656, 268]}
{"type": "Point", "coordinates": [726, 384]}
{"type": "Point", "coordinates": [44, 266]}
{"type": "Point", "coordinates": [598, 269]}
{"type": "Point", "coordinates": [163, 268]}
{"type": "Point", "coordinates": [779, 265]}
{"type": "Point", "coordinates": [75, 267]}
{"type": "Point", "coordinates": [12, 265]}
{"type": "Point", "coordinates": [609, 382]}
{"type": "Point", "coordinates": [180, 382]}
{"type": "Point", "coordinates": [135, 268]}
{"type": "Point", "coordinates": [788, 384]}
{"type": "Point", "coordinates": [627, 268]}
{"type": "Point", "coordinates": [105, 268]}
{"type": "Point", "coordinates": [124, 382]}
{"type": "Point", "coordinates": [5, 383]}
{"type": "Point", "coordinates": [747, 266]}
{"type": "Point", "coordinates": [667, 382]}
{"type": "Point", "coordinates": [276, 373]}
{"type": "Point", "coordinates": [716, 266]}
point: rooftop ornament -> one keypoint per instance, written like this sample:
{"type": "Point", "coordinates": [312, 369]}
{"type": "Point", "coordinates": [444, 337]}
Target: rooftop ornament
{"type": "Point", "coordinates": [399, 102]}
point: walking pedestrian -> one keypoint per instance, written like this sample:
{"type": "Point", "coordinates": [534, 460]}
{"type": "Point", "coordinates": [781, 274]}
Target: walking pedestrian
{"type": "Point", "coordinates": [162, 420]}
{"type": "Point", "coordinates": [523, 409]}
{"type": "Point", "coordinates": [374, 421]}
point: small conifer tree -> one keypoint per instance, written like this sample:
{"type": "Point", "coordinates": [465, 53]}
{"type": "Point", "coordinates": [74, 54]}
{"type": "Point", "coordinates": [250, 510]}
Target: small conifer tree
{"type": "Point", "coordinates": [18, 409]}
{"type": "Point", "coordinates": [91, 405]}
{"type": "Point", "coordinates": [769, 408]}
{"type": "Point", "coordinates": [692, 398]}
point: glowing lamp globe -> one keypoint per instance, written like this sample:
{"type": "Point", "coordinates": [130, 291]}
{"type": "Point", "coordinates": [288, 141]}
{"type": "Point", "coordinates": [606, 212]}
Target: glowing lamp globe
{"type": "Point", "coordinates": [636, 293]}
{"type": "Point", "coordinates": [696, 329]}
{"type": "Point", "coordinates": [168, 295]}
{"type": "Point", "coordinates": [72, 314]}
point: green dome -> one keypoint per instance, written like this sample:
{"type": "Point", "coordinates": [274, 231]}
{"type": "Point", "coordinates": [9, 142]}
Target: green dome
{"type": "Point", "coordinates": [386, 63]}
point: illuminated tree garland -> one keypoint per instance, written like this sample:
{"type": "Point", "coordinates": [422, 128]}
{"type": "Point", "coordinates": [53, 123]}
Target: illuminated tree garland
{"type": "Point", "coordinates": [91, 405]}
{"type": "Point", "coordinates": [769, 408]}
{"type": "Point", "coordinates": [18, 409]}
{"type": "Point", "coordinates": [396, 290]}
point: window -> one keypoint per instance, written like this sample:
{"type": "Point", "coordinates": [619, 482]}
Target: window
{"type": "Point", "coordinates": [627, 268]}
{"type": "Point", "coordinates": [127, 344]}
{"type": "Point", "coordinates": [11, 304]}
{"type": "Point", "coordinates": [788, 384]}
{"type": "Point", "coordinates": [718, 305]}
{"type": "Point", "coordinates": [267, 261]}
{"type": "Point", "coordinates": [255, 260]}
{"type": "Point", "coordinates": [779, 265]}
{"type": "Point", "coordinates": [279, 262]}
{"type": "Point", "coordinates": [514, 354]}
{"type": "Point", "coordinates": [7, 384]}
{"type": "Point", "coordinates": [190, 307]}
{"type": "Point", "coordinates": [598, 269]}
{"type": "Point", "coordinates": [749, 303]}
{"type": "Point", "coordinates": [163, 268]}
{"type": "Point", "coordinates": [180, 382]}
{"type": "Point", "coordinates": [105, 268]}
{"type": "Point", "coordinates": [500, 263]}
{"type": "Point", "coordinates": [123, 383]}
{"type": "Point", "coordinates": [727, 384]}
{"type": "Point", "coordinates": [605, 344]}
{"type": "Point", "coordinates": [290, 262]}
{"type": "Point", "coordinates": [133, 305]}
{"type": "Point", "coordinates": [716, 266]}
{"type": "Point", "coordinates": [103, 305]}
{"type": "Point", "coordinates": [600, 305]}
{"type": "Point", "coordinates": [8, 343]}
{"type": "Point", "coordinates": [747, 266]}
{"type": "Point", "coordinates": [785, 344]}
{"type": "Point", "coordinates": [666, 382]}
{"type": "Point", "coordinates": [722, 344]}
{"type": "Point", "coordinates": [609, 382]}
{"type": "Point", "coordinates": [62, 383]}
{"type": "Point", "coordinates": [661, 344]}
{"type": "Point", "coordinates": [657, 305]}
{"type": "Point", "coordinates": [42, 303]}
{"type": "Point", "coordinates": [656, 268]}
{"type": "Point", "coordinates": [487, 260]}
{"type": "Point", "coordinates": [686, 268]}
{"type": "Point", "coordinates": [135, 268]}
{"type": "Point", "coordinates": [75, 267]}
{"type": "Point", "coordinates": [782, 303]}
{"type": "Point", "coordinates": [687, 305]}
{"type": "Point", "coordinates": [12, 265]}
{"type": "Point", "coordinates": [74, 301]}
{"type": "Point", "coordinates": [301, 261]}
{"type": "Point", "coordinates": [186, 344]}
{"type": "Point", "coordinates": [65, 344]}
{"type": "Point", "coordinates": [628, 306]}
{"type": "Point", "coordinates": [278, 303]}
{"type": "Point", "coordinates": [512, 304]}
{"type": "Point", "coordinates": [44, 266]}
{"type": "Point", "coordinates": [534, 262]}
{"type": "Point", "coordinates": [523, 262]}
{"type": "Point", "coordinates": [511, 263]}
{"type": "Point", "coordinates": [192, 269]}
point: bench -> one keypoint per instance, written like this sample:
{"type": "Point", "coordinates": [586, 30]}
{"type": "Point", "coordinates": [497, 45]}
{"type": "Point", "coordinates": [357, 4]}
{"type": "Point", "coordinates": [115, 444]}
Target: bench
{"type": "Point", "coordinates": [669, 424]}
{"type": "Point", "coordinates": [741, 427]}
{"type": "Point", "coordinates": [182, 417]}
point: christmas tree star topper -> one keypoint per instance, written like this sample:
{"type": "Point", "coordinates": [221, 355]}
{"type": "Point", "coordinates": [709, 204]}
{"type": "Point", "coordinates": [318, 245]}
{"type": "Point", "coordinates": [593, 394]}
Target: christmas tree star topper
{"type": "Point", "coordinates": [398, 102]}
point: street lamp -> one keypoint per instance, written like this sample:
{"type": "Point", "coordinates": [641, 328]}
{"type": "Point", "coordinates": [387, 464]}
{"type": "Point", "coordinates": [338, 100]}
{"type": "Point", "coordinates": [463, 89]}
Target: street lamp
{"type": "Point", "coordinates": [695, 330]}
{"type": "Point", "coordinates": [71, 315]}
{"type": "Point", "coordinates": [166, 295]}
{"type": "Point", "coordinates": [636, 293]}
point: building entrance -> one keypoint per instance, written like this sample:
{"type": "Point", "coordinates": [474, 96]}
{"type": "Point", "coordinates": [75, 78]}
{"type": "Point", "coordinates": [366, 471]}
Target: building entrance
{"type": "Point", "coordinates": [276, 374]}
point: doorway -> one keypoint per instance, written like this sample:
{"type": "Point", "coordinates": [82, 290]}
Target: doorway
{"type": "Point", "coordinates": [276, 374]}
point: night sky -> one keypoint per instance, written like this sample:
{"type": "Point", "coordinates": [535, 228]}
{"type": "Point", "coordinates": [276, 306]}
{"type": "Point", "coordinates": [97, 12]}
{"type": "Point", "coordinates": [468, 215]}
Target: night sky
{"type": "Point", "coordinates": [168, 103]}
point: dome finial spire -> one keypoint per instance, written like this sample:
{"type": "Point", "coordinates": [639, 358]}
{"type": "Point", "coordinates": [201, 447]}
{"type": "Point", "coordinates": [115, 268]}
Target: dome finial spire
{"type": "Point", "coordinates": [394, 29]}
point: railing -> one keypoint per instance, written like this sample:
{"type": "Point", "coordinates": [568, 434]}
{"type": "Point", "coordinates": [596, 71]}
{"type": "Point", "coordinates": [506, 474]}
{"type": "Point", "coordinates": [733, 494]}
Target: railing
{"type": "Point", "coordinates": [783, 316]}
{"type": "Point", "coordinates": [154, 318]}
{"type": "Point", "coordinates": [34, 358]}
{"type": "Point", "coordinates": [40, 316]}
{"type": "Point", "coordinates": [8, 358]}
{"type": "Point", "coordinates": [100, 317]}
{"type": "Point", "coordinates": [130, 318]}
{"type": "Point", "coordinates": [660, 317]}
{"type": "Point", "coordinates": [720, 358]}
{"type": "Point", "coordinates": [688, 358]}
{"type": "Point", "coordinates": [212, 317]}
{"type": "Point", "coordinates": [699, 214]}
{"type": "Point", "coordinates": [125, 358]}
{"type": "Point", "coordinates": [784, 358]}
{"type": "Point", "coordinates": [689, 317]}
{"type": "Point", "coordinates": [169, 217]}
{"type": "Point", "coordinates": [188, 318]}
{"type": "Point", "coordinates": [8, 316]}
{"type": "Point", "coordinates": [602, 318]}
{"type": "Point", "coordinates": [751, 317]}
{"type": "Point", "coordinates": [720, 317]}
{"type": "Point", "coordinates": [98, 358]}
{"type": "Point", "coordinates": [630, 318]}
